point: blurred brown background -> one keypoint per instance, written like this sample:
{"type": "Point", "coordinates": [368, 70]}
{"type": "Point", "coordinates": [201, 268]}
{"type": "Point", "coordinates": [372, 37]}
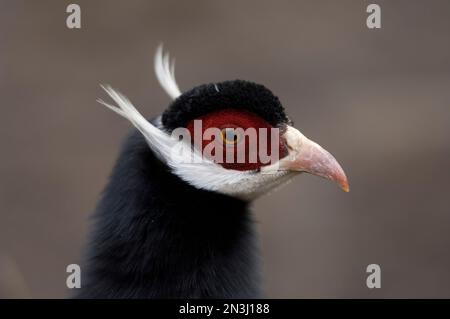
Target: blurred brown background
{"type": "Point", "coordinates": [379, 100]}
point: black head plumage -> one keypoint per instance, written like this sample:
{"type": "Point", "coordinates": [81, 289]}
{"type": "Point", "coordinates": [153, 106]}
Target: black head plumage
{"type": "Point", "coordinates": [237, 94]}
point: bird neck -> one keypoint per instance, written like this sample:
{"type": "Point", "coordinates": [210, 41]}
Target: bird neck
{"type": "Point", "coordinates": [155, 236]}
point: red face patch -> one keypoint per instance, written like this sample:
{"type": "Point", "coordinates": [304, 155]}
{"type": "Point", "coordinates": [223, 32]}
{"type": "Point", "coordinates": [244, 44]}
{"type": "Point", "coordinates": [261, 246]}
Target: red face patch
{"type": "Point", "coordinates": [244, 139]}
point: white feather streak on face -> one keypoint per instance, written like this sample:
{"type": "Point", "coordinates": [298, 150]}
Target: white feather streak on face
{"type": "Point", "coordinates": [165, 72]}
{"type": "Point", "coordinates": [195, 169]}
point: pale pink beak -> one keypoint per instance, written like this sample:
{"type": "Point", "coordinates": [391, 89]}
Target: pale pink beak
{"type": "Point", "coordinates": [308, 156]}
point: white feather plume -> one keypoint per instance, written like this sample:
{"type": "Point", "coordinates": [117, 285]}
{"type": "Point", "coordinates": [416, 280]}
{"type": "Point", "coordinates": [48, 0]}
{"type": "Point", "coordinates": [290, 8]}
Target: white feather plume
{"type": "Point", "coordinates": [159, 141]}
{"type": "Point", "coordinates": [165, 72]}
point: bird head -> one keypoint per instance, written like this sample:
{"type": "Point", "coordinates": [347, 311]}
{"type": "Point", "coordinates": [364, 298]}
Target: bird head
{"type": "Point", "coordinates": [232, 137]}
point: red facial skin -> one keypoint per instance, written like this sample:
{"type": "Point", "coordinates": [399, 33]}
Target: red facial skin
{"type": "Point", "coordinates": [233, 118]}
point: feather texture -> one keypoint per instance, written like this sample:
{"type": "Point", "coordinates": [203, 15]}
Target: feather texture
{"type": "Point", "coordinates": [165, 72]}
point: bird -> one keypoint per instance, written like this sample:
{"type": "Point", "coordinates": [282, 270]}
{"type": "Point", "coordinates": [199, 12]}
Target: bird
{"type": "Point", "coordinates": [168, 228]}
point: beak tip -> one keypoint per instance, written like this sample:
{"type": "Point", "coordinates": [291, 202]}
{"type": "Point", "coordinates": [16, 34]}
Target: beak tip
{"type": "Point", "coordinates": [344, 186]}
{"type": "Point", "coordinates": [308, 156]}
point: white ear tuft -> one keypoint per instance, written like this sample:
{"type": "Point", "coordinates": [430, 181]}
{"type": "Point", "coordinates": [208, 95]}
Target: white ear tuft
{"type": "Point", "coordinates": [160, 142]}
{"type": "Point", "coordinates": [165, 72]}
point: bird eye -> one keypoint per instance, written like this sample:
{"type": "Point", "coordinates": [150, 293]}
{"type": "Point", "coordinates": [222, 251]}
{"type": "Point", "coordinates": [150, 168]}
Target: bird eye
{"type": "Point", "coordinates": [230, 136]}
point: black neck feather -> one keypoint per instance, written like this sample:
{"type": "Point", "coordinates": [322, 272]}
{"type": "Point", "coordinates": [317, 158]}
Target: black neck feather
{"type": "Point", "coordinates": [155, 236]}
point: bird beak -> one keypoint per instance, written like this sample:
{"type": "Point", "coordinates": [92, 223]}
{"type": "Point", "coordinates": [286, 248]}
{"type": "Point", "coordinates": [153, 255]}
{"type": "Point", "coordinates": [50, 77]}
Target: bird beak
{"type": "Point", "coordinates": [307, 156]}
